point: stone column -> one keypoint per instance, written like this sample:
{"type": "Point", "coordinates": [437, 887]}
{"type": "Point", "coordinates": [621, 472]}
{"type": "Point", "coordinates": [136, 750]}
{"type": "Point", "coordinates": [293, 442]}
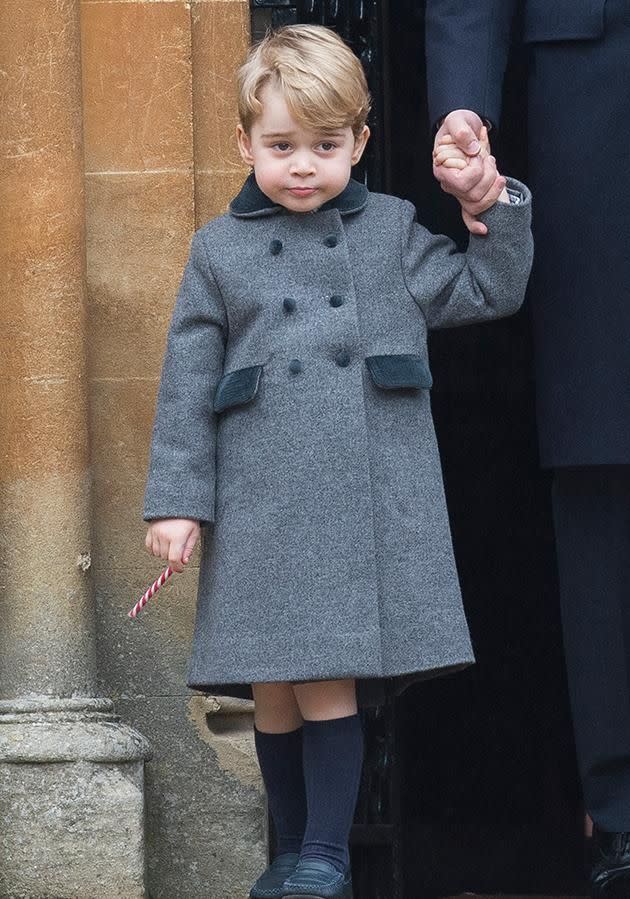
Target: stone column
{"type": "Point", "coordinates": [71, 776]}
{"type": "Point", "coordinates": [220, 39]}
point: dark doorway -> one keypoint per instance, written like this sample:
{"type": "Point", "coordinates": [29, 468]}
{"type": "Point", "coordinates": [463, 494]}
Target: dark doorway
{"type": "Point", "coordinates": [470, 781]}
{"type": "Point", "coordinates": [491, 792]}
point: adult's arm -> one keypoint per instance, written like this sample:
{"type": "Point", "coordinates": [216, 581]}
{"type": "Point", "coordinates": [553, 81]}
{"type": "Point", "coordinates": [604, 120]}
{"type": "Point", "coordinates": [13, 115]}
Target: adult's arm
{"type": "Point", "coordinates": [467, 44]}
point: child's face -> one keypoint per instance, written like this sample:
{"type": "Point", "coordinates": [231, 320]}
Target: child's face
{"type": "Point", "coordinates": [294, 166]}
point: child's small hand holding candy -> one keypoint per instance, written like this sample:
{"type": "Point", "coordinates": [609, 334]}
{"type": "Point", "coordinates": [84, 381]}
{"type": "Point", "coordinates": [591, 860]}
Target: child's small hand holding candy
{"type": "Point", "coordinates": [173, 539]}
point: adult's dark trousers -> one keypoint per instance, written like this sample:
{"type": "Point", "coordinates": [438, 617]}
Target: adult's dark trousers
{"type": "Point", "coordinates": [591, 506]}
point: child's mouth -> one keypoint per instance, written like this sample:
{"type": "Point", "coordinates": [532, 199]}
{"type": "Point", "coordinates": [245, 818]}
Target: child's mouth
{"type": "Point", "coordinates": [302, 191]}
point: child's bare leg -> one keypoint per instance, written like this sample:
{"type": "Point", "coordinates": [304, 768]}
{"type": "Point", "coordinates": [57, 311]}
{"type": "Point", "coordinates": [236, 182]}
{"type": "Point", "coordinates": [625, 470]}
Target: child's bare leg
{"type": "Point", "coordinates": [278, 735]}
{"type": "Point", "coordinates": [276, 711]}
{"type": "Point", "coordinates": [322, 700]}
{"type": "Point", "coordinates": [333, 757]}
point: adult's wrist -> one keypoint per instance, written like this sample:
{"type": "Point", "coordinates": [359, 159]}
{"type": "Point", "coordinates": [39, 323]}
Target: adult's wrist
{"type": "Point", "coordinates": [438, 124]}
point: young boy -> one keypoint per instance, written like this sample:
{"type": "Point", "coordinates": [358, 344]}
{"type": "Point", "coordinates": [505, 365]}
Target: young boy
{"type": "Point", "coordinates": [294, 421]}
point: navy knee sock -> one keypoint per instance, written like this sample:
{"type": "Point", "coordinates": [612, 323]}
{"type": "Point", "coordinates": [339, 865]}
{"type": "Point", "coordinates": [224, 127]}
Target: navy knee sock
{"type": "Point", "coordinates": [280, 760]}
{"type": "Point", "coordinates": [333, 757]}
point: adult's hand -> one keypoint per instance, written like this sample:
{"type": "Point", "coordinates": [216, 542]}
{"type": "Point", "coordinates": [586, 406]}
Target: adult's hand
{"type": "Point", "coordinates": [464, 126]}
{"type": "Point", "coordinates": [478, 186]}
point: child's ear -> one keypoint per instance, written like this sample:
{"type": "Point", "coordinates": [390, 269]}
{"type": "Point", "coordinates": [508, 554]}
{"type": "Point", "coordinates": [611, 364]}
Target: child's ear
{"type": "Point", "coordinates": [359, 144]}
{"type": "Point", "coordinates": [244, 145]}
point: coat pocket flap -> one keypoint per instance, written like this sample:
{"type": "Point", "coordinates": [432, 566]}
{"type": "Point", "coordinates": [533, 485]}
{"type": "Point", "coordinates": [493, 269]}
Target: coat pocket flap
{"type": "Point", "coordinates": [401, 370]}
{"type": "Point", "coordinates": [563, 20]}
{"type": "Point", "coordinates": [237, 387]}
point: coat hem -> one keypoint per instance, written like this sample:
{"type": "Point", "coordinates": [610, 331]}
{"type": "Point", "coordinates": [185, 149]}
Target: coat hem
{"type": "Point", "coordinates": [373, 689]}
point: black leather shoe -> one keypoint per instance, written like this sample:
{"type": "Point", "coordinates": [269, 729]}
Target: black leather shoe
{"type": "Point", "coordinates": [270, 884]}
{"type": "Point", "coordinates": [316, 879]}
{"type": "Point", "coordinates": [610, 877]}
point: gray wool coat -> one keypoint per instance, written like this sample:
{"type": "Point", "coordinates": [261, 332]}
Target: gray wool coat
{"type": "Point", "coordinates": [294, 419]}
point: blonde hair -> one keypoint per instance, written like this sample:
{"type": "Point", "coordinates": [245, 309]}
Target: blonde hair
{"type": "Point", "coordinates": [320, 78]}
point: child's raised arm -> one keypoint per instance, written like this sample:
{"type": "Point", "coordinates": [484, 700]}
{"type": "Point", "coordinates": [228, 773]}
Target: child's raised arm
{"type": "Point", "coordinates": [487, 281]}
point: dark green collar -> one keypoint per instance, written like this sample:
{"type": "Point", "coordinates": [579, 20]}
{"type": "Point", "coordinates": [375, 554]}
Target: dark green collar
{"type": "Point", "coordinates": [252, 202]}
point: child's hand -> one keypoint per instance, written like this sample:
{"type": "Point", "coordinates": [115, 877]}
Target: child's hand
{"type": "Point", "coordinates": [489, 186]}
{"type": "Point", "coordinates": [173, 539]}
{"type": "Point", "coordinates": [447, 153]}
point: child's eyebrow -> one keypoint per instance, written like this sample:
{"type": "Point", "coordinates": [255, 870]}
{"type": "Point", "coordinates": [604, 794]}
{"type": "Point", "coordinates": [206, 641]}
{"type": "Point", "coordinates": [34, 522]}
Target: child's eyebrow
{"type": "Point", "coordinates": [278, 134]}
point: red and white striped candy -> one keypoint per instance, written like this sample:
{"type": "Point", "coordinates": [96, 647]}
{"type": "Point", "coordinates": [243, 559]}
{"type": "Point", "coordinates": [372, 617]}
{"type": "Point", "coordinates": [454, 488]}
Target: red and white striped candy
{"type": "Point", "coordinates": [153, 589]}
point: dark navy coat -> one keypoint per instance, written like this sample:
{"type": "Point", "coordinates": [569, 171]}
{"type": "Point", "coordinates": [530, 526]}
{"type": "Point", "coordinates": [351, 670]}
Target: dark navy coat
{"type": "Point", "coordinates": [579, 171]}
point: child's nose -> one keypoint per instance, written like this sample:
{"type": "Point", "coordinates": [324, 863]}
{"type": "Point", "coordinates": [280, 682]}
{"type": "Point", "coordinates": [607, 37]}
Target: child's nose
{"type": "Point", "coordinates": [302, 164]}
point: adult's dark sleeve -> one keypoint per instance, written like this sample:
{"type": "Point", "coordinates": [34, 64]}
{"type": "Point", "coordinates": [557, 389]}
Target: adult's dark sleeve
{"type": "Point", "coordinates": [466, 45]}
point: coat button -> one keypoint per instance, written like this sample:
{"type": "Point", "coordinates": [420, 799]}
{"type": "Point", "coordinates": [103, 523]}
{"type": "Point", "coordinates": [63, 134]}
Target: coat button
{"type": "Point", "coordinates": [289, 304]}
{"type": "Point", "coordinates": [343, 359]}
{"type": "Point", "coordinates": [275, 247]}
{"type": "Point", "coordinates": [336, 301]}
{"type": "Point", "coordinates": [330, 240]}
{"type": "Point", "coordinates": [295, 366]}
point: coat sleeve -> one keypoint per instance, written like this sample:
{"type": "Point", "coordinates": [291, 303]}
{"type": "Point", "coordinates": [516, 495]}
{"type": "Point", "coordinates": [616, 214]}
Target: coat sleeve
{"type": "Point", "coordinates": [487, 281]}
{"type": "Point", "coordinates": [181, 477]}
{"type": "Point", "coordinates": [466, 45]}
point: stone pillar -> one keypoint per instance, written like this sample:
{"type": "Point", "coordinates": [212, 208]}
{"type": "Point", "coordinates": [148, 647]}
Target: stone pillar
{"type": "Point", "coordinates": [158, 79]}
{"type": "Point", "coordinates": [71, 776]}
{"type": "Point", "coordinates": [220, 38]}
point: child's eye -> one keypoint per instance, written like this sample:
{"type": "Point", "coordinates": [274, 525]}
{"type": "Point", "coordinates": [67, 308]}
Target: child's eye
{"type": "Point", "coordinates": [281, 146]}
{"type": "Point", "coordinates": [327, 146]}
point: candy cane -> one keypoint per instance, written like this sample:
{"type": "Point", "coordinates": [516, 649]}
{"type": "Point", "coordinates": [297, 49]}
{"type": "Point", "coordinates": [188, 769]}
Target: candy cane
{"type": "Point", "coordinates": [153, 589]}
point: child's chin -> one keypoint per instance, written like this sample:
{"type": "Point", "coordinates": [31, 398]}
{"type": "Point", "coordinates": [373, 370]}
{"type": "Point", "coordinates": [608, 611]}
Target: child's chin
{"type": "Point", "coordinates": [305, 204]}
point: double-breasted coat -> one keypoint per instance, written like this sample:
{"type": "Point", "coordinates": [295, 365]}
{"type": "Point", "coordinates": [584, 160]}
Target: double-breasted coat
{"type": "Point", "coordinates": [294, 419]}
